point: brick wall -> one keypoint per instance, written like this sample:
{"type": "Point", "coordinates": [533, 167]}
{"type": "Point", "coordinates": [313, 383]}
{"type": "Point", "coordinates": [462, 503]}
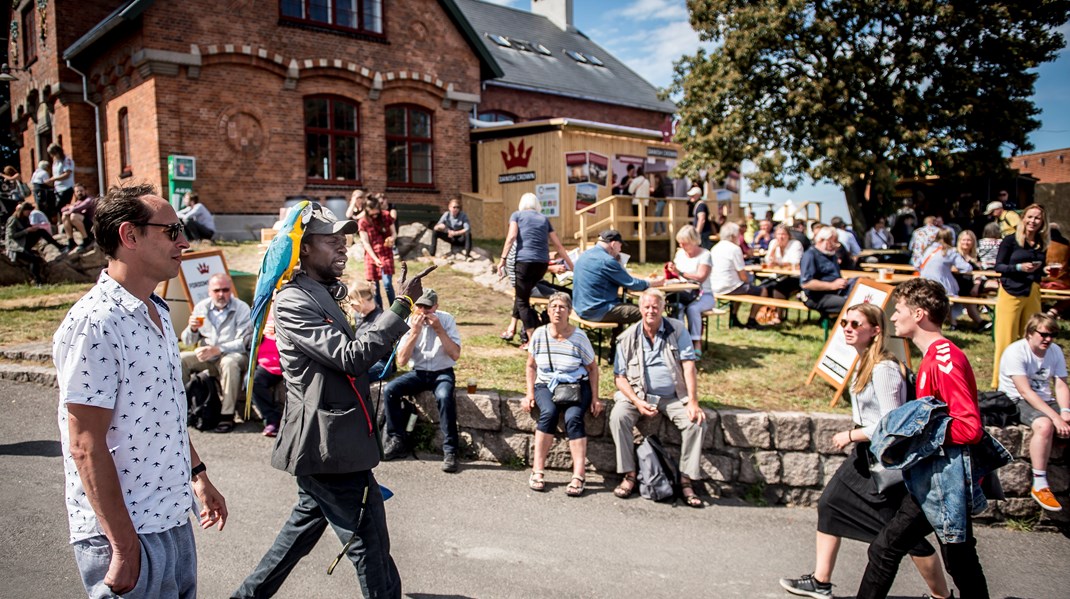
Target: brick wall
{"type": "Point", "coordinates": [530, 105]}
{"type": "Point", "coordinates": [1047, 167]}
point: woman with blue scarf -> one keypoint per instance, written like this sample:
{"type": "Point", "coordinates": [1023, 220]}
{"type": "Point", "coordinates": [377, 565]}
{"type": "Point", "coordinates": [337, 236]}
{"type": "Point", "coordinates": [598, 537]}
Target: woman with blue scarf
{"type": "Point", "coordinates": [562, 377]}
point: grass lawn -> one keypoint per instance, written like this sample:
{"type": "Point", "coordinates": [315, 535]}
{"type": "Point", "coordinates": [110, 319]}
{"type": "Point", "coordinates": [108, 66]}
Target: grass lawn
{"type": "Point", "coordinates": [762, 370]}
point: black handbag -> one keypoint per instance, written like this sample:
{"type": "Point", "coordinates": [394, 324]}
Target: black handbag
{"type": "Point", "coordinates": [883, 478]}
{"type": "Point", "coordinates": [565, 394]}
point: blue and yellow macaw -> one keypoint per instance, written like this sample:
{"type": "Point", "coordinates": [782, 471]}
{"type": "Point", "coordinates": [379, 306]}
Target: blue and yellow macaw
{"type": "Point", "coordinates": [276, 269]}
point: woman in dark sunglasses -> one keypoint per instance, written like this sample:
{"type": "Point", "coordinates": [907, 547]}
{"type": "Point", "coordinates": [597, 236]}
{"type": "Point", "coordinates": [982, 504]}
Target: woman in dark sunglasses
{"type": "Point", "coordinates": [851, 506]}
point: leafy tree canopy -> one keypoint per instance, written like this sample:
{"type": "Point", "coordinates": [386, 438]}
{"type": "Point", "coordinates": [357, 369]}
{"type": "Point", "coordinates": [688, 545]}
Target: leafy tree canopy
{"type": "Point", "coordinates": [856, 92]}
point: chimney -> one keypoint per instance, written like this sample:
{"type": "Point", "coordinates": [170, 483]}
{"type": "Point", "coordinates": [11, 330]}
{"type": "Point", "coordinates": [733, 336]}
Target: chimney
{"type": "Point", "coordinates": [558, 11]}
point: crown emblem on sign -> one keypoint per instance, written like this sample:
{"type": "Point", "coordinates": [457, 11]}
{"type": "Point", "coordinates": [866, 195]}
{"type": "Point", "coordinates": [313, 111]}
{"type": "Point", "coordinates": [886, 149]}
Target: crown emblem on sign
{"type": "Point", "coordinates": [517, 156]}
{"type": "Point", "coordinates": [202, 268]}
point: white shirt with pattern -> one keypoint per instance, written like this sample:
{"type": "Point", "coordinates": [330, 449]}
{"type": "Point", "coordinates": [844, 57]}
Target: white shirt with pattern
{"type": "Point", "coordinates": [109, 354]}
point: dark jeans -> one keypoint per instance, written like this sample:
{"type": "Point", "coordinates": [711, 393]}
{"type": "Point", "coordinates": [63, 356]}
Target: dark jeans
{"type": "Point", "coordinates": [264, 384]}
{"type": "Point", "coordinates": [549, 411]}
{"type": "Point", "coordinates": [410, 384]}
{"type": "Point", "coordinates": [333, 499]}
{"type": "Point", "coordinates": [31, 260]}
{"type": "Point", "coordinates": [527, 275]}
{"type": "Point", "coordinates": [465, 240]}
{"type": "Point", "coordinates": [379, 370]}
{"type": "Point", "coordinates": [195, 230]}
{"type": "Point", "coordinates": [902, 533]}
{"type": "Point", "coordinates": [388, 284]}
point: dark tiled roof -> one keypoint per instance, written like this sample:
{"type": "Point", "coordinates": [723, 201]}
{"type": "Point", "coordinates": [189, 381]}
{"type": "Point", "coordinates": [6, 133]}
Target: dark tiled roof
{"type": "Point", "coordinates": [557, 74]}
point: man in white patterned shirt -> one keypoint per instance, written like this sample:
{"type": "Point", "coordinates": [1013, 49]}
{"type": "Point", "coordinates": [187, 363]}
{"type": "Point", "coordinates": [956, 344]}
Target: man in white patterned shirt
{"type": "Point", "coordinates": [132, 473]}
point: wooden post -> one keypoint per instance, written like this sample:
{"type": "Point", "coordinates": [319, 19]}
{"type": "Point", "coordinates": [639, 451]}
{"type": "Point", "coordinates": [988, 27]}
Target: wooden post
{"type": "Point", "coordinates": [583, 232]}
{"type": "Point", "coordinates": [642, 229]}
{"type": "Point", "coordinates": [672, 228]}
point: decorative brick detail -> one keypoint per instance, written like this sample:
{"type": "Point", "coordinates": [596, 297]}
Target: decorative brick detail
{"type": "Point", "coordinates": [791, 430]}
{"type": "Point", "coordinates": [746, 429]}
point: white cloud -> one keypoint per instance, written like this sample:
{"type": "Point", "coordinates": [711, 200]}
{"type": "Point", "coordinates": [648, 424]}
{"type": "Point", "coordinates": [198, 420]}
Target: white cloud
{"type": "Point", "coordinates": [651, 51]}
{"type": "Point", "coordinates": [656, 9]}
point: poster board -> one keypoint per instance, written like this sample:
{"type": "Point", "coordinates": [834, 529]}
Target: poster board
{"type": "Point", "coordinates": [837, 359]}
{"type": "Point", "coordinates": [193, 275]}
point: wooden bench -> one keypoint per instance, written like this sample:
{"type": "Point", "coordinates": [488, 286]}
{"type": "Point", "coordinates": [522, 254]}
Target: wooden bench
{"type": "Point", "coordinates": [718, 312]}
{"type": "Point", "coordinates": [782, 304]}
{"type": "Point", "coordinates": [973, 301]}
{"type": "Point", "coordinates": [598, 328]}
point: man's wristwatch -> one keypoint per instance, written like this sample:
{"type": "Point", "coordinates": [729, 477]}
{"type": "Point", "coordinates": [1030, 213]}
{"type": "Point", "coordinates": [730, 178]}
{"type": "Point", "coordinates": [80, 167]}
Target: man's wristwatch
{"type": "Point", "coordinates": [199, 468]}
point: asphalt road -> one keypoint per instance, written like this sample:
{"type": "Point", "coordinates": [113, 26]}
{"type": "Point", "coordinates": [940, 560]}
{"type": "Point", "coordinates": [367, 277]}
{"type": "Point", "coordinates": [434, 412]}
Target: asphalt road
{"type": "Point", "coordinates": [478, 533]}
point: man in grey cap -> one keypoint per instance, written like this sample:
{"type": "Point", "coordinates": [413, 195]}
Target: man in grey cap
{"type": "Point", "coordinates": [1008, 219]}
{"type": "Point", "coordinates": [430, 348]}
{"type": "Point", "coordinates": [327, 440]}
{"type": "Point", "coordinates": [597, 279]}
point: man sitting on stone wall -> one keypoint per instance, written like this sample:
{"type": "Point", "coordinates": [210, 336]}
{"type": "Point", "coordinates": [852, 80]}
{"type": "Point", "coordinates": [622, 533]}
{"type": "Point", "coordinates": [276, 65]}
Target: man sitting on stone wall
{"type": "Point", "coordinates": [431, 347]}
{"type": "Point", "coordinates": [221, 326]}
{"type": "Point", "coordinates": [1026, 370]}
{"type": "Point", "coordinates": [655, 372]}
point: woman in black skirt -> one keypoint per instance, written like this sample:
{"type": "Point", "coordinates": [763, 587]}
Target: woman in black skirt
{"type": "Point", "coordinates": [851, 506]}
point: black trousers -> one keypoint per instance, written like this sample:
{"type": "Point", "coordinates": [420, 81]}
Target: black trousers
{"type": "Point", "coordinates": [527, 275]}
{"type": "Point", "coordinates": [465, 240]}
{"type": "Point", "coordinates": [902, 533]}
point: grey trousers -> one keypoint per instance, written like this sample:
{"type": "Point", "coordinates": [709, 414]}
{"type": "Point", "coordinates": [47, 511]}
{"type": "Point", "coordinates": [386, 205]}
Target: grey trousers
{"type": "Point", "coordinates": [622, 419]}
{"type": "Point", "coordinates": [168, 565]}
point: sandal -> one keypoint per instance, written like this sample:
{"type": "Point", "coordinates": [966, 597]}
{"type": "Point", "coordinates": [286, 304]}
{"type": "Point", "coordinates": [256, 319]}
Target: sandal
{"type": "Point", "coordinates": [225, 426]}
{"type": "Point", "coordinates": [626, 487]}
{"type": "Point", "coordinates": [574, 490]}
{"type": "Point", "coordinates": [536, 482]}
{"type": "Point", "coordinates": [690, 499]}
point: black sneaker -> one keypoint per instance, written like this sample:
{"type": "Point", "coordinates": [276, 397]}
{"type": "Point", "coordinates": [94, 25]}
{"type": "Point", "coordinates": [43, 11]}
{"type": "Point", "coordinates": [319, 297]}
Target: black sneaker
{"type": "Point", "coordinates": [394, 449]}
{"type": "Point", "coordinates": [449, 462]}
{"type": "Point", "coordinates": [807, 586]}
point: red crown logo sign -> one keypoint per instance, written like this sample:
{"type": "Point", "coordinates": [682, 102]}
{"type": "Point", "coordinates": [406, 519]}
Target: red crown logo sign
{"type": "Point", "coordinates": [202, 268]}
{"type": "Point", "coordinates": [517, 156]}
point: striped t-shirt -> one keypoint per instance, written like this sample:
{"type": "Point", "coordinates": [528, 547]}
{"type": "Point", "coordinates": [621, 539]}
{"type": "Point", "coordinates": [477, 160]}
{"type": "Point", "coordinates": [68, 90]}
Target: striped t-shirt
{"type": "Point", "coordinates": [568, 354]}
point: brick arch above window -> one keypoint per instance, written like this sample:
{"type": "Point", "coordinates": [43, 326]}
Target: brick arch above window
{"type": "Point", "coordinates": [332, 128]}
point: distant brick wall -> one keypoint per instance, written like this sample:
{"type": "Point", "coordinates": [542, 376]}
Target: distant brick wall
{"type": "Point", "coordinates": [530, 105]}
{"type": "Point", "coordinates": [1047, 167]}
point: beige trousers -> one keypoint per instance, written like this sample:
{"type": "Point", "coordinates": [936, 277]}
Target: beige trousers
{"type": "Point", "coordinates": [622, 419]}
{"type": "Point", "coordinates": [228, 369]}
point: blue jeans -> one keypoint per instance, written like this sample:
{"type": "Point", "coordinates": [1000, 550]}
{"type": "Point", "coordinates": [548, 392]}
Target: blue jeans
{"type": "Point", "coordinates": [659, 210]}
{"type": "Point", "coordinates": [333, 499]}
{"type": "Point", "coordinates": [549, 411]}
{"type": "Point", "coordinates": [168, 565]}
{"type": "Point", "coordinates": [413, 383]}
{"type": "Point", "coordinates": [388, 283]}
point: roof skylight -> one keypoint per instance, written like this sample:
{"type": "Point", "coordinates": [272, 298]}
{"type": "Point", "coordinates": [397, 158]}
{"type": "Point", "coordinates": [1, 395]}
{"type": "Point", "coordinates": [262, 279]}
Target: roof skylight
{"type": "Point", "coordinates": [497, 39]}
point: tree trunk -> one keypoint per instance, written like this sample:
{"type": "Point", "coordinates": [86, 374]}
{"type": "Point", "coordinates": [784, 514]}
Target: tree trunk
{"type": "Point", "coordinates": [855, 194]}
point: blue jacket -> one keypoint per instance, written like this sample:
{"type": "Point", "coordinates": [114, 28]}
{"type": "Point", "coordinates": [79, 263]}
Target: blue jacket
{"type": "Point", "coordinates": [596, 283]}
{"type": "Point", "coordinates": [945, 480]}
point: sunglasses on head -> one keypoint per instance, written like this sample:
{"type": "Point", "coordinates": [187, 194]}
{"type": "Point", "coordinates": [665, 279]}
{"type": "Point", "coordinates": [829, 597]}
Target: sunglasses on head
{"type": "Point", "coordinates": [854, 324]}
{"type": "Point", "coordinates": [172, 230]}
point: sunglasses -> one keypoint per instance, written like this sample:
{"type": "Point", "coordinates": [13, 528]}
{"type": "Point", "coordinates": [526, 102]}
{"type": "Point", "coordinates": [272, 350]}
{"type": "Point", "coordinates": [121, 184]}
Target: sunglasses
{"type": "Point", "coordinates": [172, 230]}
{"type": "Point", "coordinates": [854, 324]}
{"type": "Point", "coordinates": [1046, 335]}
{"type": "Point", "coordinates": [221, 290]}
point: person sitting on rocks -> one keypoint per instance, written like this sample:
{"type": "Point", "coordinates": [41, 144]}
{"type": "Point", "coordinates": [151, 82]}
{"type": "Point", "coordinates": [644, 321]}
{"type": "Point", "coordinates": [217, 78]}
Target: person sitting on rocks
{"type": "Point", "coordinates": [431, 347]}
{"type": "Point", "coordinates": [198, 221]}
{"type": "Point", "coordinates": [23, 236]}
{"type": "Point", "coordinates": [560, 354]}
{"type": "Point", "coordinates": [453, 228]}
{"type": "Point", "coordinates": [654, 371]}
{"type": "Point", "coordinates": [78, 215]}
{"type": "Point", "coordinates": [221, 327]}
{"type": "Point", "coordinates": [1026, 370]}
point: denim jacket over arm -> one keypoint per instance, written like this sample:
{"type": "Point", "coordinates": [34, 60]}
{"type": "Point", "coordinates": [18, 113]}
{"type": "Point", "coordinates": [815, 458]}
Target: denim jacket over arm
{"type": "Point", "coordinates": [911, 438]}
{"type": "Point", "coordinates": [631, 353]}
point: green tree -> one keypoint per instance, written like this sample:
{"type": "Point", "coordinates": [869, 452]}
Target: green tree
{"type": "Point", "coordinates": [856, 92]}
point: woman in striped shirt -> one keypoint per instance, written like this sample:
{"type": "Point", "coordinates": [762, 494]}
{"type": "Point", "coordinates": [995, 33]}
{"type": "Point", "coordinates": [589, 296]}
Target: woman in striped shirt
{"type": "Point", "coordinates": [559, 353]}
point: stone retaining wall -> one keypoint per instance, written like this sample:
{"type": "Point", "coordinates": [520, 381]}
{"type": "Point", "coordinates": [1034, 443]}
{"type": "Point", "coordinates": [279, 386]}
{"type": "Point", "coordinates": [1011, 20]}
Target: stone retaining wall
{"type": "Point", "coordinates": [779, 458]}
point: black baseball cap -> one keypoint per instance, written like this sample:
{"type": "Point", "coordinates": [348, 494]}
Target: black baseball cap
{"type": "Point", "coordinates": [324, 222]}
{"type": "Point", "coordinates": [610, 235]}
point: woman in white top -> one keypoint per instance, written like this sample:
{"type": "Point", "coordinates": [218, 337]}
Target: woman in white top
{"type": "Point", "coordinates": [850, 505]}
{"type": "Point", "coordinates": [936, 264]}
{"type": "Point", "coordinates": [561, 353]}
{"type": "Point", "coordinates": [693, 264]}
{"type": "Point", "coordinates": [728, 277]}
{"type": "Point", "coordinates": [879, 237]}
{"type": "Point", "coordinates": [639, 189]}
{"type": "Point", "coordinates": [783, 252]}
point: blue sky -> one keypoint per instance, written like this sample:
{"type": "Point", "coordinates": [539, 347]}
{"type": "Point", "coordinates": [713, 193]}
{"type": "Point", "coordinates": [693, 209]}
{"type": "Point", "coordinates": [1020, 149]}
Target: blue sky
{"type": "Point", "coordinates": [649, 35]}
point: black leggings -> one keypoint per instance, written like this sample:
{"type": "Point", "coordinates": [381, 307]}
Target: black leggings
{"type": "Point", "coordinates": [527, 275]}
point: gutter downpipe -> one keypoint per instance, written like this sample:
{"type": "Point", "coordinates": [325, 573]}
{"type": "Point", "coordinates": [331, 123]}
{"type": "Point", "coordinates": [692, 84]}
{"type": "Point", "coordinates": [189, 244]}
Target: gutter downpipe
{"type": "Point", "coordinates": [96, 119]}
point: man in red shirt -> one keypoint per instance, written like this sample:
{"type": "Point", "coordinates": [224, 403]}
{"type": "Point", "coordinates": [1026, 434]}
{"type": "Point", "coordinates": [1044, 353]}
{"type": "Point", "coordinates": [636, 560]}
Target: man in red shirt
{"type": "Point", "coordinates": [921, 306]}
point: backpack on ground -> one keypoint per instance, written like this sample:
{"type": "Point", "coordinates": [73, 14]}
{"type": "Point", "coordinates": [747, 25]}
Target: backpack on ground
{"type": "Point", "coordinates": [997, 409]}
{"type": "Point", "coordinates": [203, 401]}
{"type": "Point", "coordinates": [657, 475]}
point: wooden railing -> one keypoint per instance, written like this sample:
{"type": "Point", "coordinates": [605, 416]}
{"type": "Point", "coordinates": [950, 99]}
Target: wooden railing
{"type": "Point", "coordinates": [619, 216]}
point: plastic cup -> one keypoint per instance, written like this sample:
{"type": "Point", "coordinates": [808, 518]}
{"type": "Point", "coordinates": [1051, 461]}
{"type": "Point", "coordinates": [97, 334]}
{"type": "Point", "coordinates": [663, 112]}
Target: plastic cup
{"type": "Point", "coordinates": [472, 386]}
{"type": "Point", "coordinates": [199, 320]}
{"type": "Point", "coordinates": [1055, 269]}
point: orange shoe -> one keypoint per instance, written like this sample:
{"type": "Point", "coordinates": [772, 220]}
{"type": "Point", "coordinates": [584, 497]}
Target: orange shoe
{"type": "Point", "coordinates": [1046, 500]}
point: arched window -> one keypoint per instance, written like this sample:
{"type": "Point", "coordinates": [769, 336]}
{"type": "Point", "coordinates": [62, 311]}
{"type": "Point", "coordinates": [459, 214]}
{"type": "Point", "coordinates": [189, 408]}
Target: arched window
{"type": "Point", "coordinates": [332, 140]}
{"type": "Point", "coordinates": [409, 146]}
{"type": "Point", "coordinates": [497, 116]}
{"type": "Point", "coordinates": [125, 168]}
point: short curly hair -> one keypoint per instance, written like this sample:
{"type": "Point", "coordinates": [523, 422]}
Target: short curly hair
{"type": "Point", "coordinates": [925, 294]}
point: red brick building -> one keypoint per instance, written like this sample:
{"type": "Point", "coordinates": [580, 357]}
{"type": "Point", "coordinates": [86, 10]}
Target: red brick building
{"type": "Point", "coordinates": [284, 98]}
{"type": "Point", "coordinates": [1052, 172]}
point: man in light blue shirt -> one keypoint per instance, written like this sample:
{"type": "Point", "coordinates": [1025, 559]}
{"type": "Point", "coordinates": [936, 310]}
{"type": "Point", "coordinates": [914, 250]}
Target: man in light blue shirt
{"type": "Point", "coordinates": [431, 348]}
{"type": "Point", "coordinates": [221, 326]}
{"type": "Point", "coordinates": [598, 278]}
{"type": "Point", "coordinates": [455, 228]}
